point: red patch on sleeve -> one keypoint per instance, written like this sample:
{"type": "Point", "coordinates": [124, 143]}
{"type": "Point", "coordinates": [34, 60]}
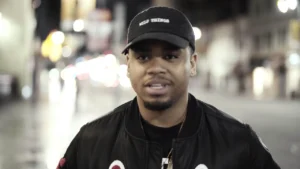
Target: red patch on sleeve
{"type": "Point", "coordinates": [61, 163]}
{"type": "Point", "coordinates": [116, 167]}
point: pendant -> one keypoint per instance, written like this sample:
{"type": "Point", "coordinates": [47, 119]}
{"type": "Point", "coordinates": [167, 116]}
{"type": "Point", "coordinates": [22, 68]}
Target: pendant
{"type": "Point", "coordinates": [170, 164]}
{"type": "Point", "coordinates": [164, 163]}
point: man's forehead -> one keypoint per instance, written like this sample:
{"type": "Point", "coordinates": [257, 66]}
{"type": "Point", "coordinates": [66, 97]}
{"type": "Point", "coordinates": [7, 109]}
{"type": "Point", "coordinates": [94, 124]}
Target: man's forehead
{"type": "Point", "coordinates": [150, 44]}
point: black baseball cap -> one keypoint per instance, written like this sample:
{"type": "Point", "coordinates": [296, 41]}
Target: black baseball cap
{"type": "Point", "coordinates": [161, 23]}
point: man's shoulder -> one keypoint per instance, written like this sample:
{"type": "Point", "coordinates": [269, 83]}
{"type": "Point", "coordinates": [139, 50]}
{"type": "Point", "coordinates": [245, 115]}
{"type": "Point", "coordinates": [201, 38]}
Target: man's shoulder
{"type": "Point", "coordinates": [109, 122]}
{"type": "Point", "coordinates": [220, 118]}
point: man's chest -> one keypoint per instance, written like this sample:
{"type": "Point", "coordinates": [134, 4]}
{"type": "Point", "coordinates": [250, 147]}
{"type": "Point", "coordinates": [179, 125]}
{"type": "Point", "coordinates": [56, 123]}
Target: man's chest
{"type": "Point", "coordinates": [150, 156]}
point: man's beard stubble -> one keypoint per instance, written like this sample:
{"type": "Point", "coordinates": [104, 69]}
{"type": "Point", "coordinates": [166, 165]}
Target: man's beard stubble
{"type": "Point", "coordinates": [158, 106]}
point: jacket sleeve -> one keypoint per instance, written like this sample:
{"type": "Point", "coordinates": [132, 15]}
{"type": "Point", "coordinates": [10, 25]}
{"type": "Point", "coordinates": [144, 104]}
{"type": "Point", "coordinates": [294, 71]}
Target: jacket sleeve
{"type": "Point", "coordinates": [69, 161]}
{"type": "Point", "coordinates": [260, 156]}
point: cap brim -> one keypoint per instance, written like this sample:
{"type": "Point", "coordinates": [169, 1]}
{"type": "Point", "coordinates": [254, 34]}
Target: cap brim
{"type": "Point", "coordinates": [166, 37]}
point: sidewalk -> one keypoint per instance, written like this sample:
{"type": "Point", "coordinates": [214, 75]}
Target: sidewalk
{"type": "Point", "coordinates": [196, 85]}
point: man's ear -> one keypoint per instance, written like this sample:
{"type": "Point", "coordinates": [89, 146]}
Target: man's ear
{"type": "Point", "coordinates": [193, 61]}
{"type": "Point", "coordinates": [128, 63]}
{"type": "Point", "coordinates": [127, 59]}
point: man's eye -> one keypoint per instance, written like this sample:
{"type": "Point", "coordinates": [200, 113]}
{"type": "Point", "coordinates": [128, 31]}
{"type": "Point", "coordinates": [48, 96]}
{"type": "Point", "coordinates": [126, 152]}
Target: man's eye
{"type": "Point", "coordinates": [170, 57]}
{"type": "Point", "coordinates": [143, 57]}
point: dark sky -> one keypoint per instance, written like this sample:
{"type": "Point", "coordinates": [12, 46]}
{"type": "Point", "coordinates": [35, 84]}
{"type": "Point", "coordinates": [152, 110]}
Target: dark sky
{"type": "Point", "coordinates": [198, 11]}
{"type": "Point", "coordinates": [48, 17]}
{"type": "Point", "coordinates": [209, 11]}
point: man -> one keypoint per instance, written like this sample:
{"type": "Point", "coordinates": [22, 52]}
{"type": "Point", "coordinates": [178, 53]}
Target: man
{"type": "Point", "coordinates": [164, 126]}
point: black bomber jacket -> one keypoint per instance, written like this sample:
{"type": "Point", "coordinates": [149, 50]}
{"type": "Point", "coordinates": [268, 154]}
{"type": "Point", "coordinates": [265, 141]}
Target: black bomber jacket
{"type": "Point", "coordinates": [210, 139]}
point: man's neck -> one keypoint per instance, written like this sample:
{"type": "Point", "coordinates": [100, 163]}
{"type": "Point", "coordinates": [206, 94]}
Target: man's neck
{"type": "Point", "coordinates": [167, 118]}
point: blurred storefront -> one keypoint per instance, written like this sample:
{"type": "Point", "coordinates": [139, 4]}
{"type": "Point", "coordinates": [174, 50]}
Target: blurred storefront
{"type": "Point", "coordinates": [83, 31]}
{"type": "Point", "coordinates": [275, 52]}
{"type": "Point", "coordinates": [74, 22]}
{"type": "Point", "coordinates": [260, 50]}
{"type": "Point", "coordinates": [17, 25]}
{"type": "Point", "coordinates": [223, 46]}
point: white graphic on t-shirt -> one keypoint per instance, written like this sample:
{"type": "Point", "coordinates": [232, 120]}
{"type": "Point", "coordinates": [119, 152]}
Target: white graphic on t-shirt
{"type": "Point", "coordinates": [201, 166]}
{"type": "Point", "coordinates": [117, 164]}
{"type": "Point", "coordinates": [164, 163]}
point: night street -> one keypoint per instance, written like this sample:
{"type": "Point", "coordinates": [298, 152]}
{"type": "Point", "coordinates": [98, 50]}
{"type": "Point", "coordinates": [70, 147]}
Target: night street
{"type": "Point", "coordinates": [34, 136]}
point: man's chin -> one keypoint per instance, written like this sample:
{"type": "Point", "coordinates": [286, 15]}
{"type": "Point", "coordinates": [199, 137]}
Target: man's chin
{"type": "Point", "coordinates": [157, 99]}
{"type": "Point", "coordinates": [158, 105]}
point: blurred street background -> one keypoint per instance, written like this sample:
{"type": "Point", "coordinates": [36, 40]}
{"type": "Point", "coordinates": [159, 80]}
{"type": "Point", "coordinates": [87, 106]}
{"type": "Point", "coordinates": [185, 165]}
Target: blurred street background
{"type": "Point", "coordinates": [61, 67]}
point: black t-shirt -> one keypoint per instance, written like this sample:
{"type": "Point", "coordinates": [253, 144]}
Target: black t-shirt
{"type": "Point", "coordinates": [163, 136]}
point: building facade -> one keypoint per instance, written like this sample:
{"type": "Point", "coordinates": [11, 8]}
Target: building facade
{"type": "Point", "coordinates": [17, 25]}
{"type": "Point", "coordinates": [223, 46]}
{"type": "Point", "coordinates": [274, 57]}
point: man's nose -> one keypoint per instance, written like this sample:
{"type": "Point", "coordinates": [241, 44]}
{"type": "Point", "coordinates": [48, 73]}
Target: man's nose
{"type": "Point", "coordinates": [156, 66]}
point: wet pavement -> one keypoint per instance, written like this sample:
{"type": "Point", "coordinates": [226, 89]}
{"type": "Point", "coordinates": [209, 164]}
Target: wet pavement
{"type": "Point", "coordinates": [35, 136]}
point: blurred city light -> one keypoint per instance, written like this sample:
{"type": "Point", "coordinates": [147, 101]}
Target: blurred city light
{"type": "Point", "coordinates": [110, 79]}
{"type": "Point", "coordinates": [56, 53]}
{"type": "Point", "coordinates": [123, 78]}
{"type": "Point", "coordinates": [54, 86]}
{"type": "Point", "coordinates": [58, 37]}
{"type": "Point", "coordinates": [110, 59]}
{"type": "Point", "coordinates": [125, 82]}
{"type": "Point", "coordinates": [66, 51]}
{"type": "Point", "coordinates": [46, 47]}
{"type": "Point", "coordinates": [54, 74]}
{"type": "Point", "coordinates": [82, 70]}
{"type": "Point", "coordinates": [294, 59]}
{"type": "Point", "coordinates": [283, 6]}
{"type": "Point", "coordinates": [68, 73]}
{"type": "Point", "coordinates": [258, 81]}
{"type": "Point", "coordinates": [0, 21]}
{"type": "Point", "coordinates": [292, 4]}
{"type": "Point", "coordinates": [78, 25]}
{"type": "Point", "coordinates": [197, 33]}
{"type": "Point", "coordinates": [269, 77]}
{"type": "Point", "coordinates": [26, 92]}
{"type": "Point", "coordinates": [123, 70]}
{"type": "Point", "coordinates": [6, 27]}
{"type": "Point", "coordinates": [52, 46]}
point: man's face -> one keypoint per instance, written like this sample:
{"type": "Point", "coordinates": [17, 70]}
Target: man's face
{"type": "Point", "coordinates": [159, 73]}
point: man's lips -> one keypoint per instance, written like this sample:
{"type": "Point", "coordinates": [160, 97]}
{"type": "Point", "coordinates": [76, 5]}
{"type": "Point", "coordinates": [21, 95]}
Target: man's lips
{"type": "Point", "coordinates": [157, 87]}
{"type": "Point", "coordinates": [157, 83]}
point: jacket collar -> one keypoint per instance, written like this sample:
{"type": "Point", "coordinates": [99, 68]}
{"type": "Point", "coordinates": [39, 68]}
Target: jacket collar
{"type": "Point", "coordinates": [190, 127]}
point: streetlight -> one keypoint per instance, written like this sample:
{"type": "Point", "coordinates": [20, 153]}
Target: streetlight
{"type": "Point", "coordinates": [66, 51]}
{"type": "Point", "coordinates": [292, 4]}
{"type": "Point", "coordinates": [282, 6]}
{"type": "Point", "coordinates": [285, 5]}
{"type": "Point", "coordinates": [294, 59]}
{"type": "Point", "coordinates": [78, 25]}
{"type": "Point", "coordinates": [197, 33]}
{"type": "Point", "coordinates": [58, 37]}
